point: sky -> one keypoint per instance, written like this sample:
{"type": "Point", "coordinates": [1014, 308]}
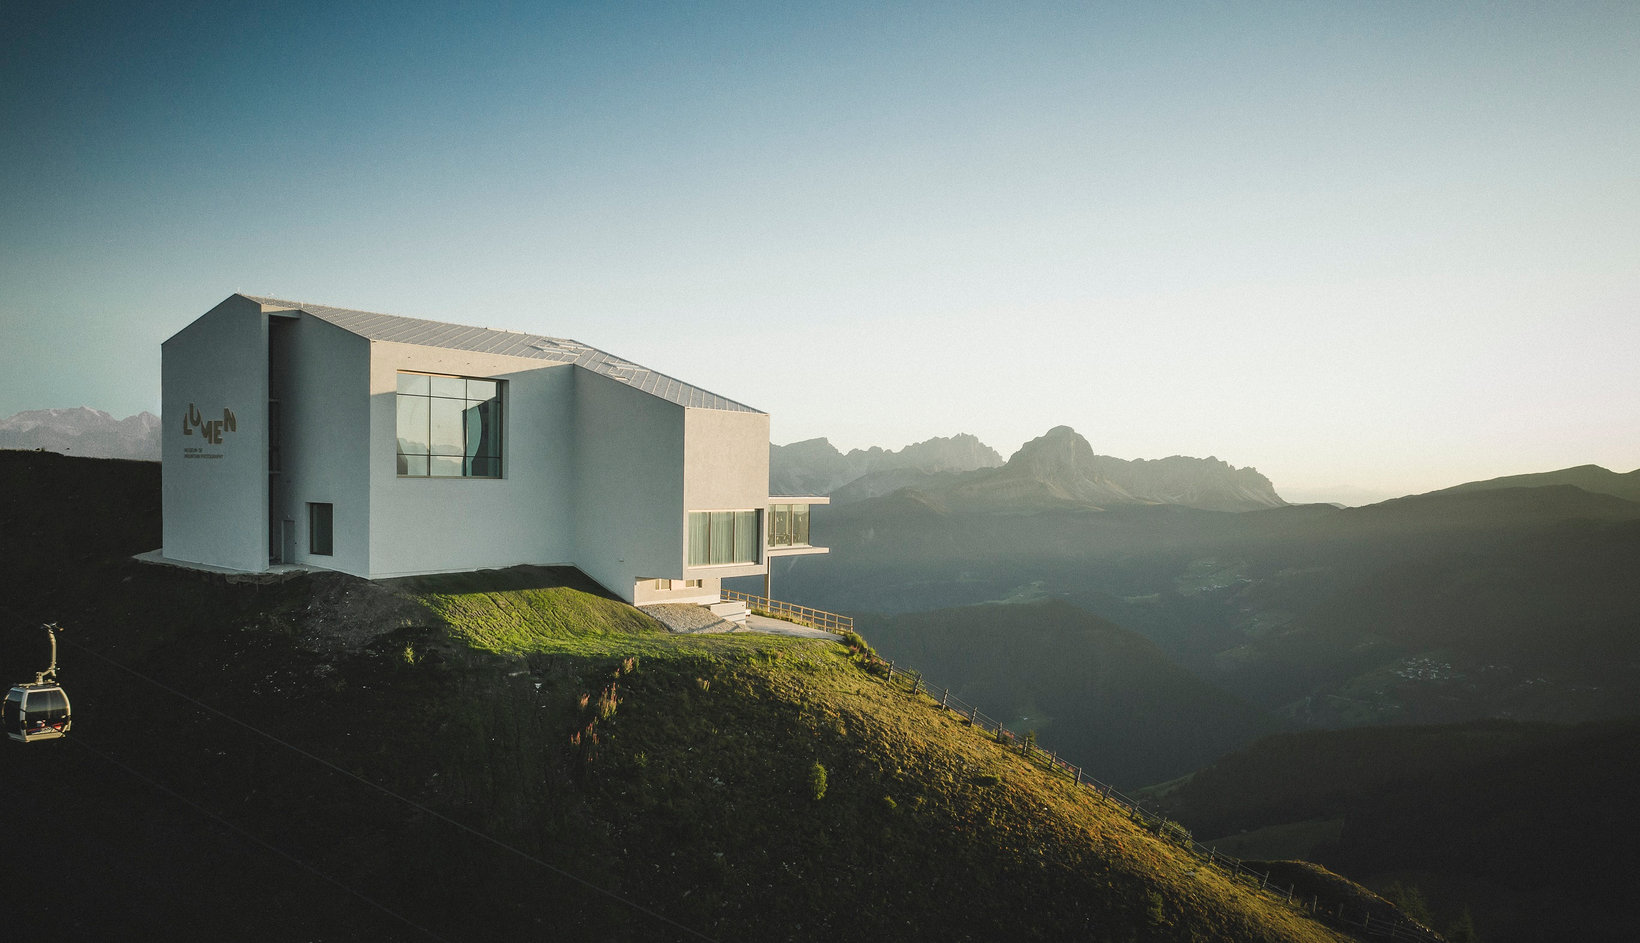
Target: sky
{"type": "Point", "coordinates": [1382, 246]}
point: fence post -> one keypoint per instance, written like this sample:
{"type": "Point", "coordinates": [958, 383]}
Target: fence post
{"type": "Point", "coordinates": [890, 671]}
{"type": "Point", "coordinates": [945, 697]}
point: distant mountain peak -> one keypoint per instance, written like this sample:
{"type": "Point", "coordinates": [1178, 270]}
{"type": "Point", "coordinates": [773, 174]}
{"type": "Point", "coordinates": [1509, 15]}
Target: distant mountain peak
{"type": "Point", "coordinates": [83, 431]}
{"type": "Point", "coordinates": [815, 466]}
{"type": "Point", "coordinates": [1061, 468]}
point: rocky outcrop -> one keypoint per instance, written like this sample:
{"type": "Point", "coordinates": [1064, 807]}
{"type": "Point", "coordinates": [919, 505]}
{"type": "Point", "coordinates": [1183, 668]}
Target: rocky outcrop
{"type": "Point", "coordinates": [1060, 469]}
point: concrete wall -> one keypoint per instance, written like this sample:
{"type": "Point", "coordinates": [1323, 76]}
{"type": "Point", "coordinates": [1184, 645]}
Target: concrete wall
{"type": "Point", "coordinates": [645, 593]}
{"type": "Point", "coordinates": [726, 462]}
{"type": "Point", "coordinates": [430, 525]}
{"type": "Point", "coordinates": [215, 493]}
{"type": "Point", "coordinates": [628, 476]}
{"type": "Point", "coordinates": [320, 376]}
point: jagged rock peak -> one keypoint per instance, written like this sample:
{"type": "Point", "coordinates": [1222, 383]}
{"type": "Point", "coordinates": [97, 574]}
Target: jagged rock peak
{"type": "Point", "coordinates": [1067, 467]}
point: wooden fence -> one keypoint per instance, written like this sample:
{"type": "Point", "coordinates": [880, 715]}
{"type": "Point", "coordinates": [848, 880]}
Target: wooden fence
{"type": "Point", "coordinates": [802, 615]}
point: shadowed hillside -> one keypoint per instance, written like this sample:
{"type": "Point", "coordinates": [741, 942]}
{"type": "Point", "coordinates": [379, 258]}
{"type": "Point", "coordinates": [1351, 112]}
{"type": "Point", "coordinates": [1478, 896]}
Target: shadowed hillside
{"type": "Point", "coordinates": [516, 754]}
{"type": "Point", "coordinates": [1092, 690]}
{"type": "Point", "coordinates": [1530, 825]}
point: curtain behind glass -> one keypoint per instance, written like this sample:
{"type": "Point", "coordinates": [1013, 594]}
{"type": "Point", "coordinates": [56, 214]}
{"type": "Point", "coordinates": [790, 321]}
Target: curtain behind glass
{"type": "Point", "coordinates": [699, 538]}
{"type": "Point", "coordinates": [745, 537]}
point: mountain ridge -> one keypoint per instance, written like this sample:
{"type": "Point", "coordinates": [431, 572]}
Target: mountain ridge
{"type": "Point", "coordinates": [815, 466]}
{"type": "Point", "coordinates": [1057, 470]}
{"type": "Point", "coordinates": [83, 431]}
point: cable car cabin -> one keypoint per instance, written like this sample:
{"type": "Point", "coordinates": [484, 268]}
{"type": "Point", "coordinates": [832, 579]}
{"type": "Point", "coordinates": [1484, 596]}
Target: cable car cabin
{"type": "Point", "coordinates": [36, 712]}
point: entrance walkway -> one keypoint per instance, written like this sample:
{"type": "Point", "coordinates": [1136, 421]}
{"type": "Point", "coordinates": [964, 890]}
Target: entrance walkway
{"type": "Point", "coordinates": [689, 618]}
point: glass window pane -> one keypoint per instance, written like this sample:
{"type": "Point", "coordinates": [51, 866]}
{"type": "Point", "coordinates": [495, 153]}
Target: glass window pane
{"type": "Point", "coordinates": [745, 537]}
{"type": "Point", "coordinates": [699, 538]}
{"type": "Point", "coordinates": [447, 432]}
{"type": "Point", "coordinates": [780, 532]}
{"type": "Point", "coordinates": [445, 466]}
{"type": "Point", "coordinates": [800, 524]}
{"type": "Point", "coordinates": [413, 466]}
{"type": "Point", "coordinates": [452, 387]}
{"type": "Point", "coordinates": [723, 536]}
{"type": "Point", "coordinates": [414, 383]}
{"type": "Point", "coordinates": [413, 412]}
{"type": "Point", "coordinates": [490, 442]}
{"type": "Point", "coordinates": [480, 389]}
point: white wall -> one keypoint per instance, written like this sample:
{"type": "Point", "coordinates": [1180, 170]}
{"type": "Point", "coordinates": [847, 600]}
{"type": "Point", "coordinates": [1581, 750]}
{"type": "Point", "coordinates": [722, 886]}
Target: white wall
{"type": "Point", "coordinates": [429, 525]}
{"type": "Point", "coordinates": [726, 461]}
{"type": "Point", "coordinates": [321, 378]}
{"type": "Point", "coordinates": [215, 503]}
{"type": "Point", "coordinates": [628, 484]}
{"type": "Point", "coordinates": [645, 593]}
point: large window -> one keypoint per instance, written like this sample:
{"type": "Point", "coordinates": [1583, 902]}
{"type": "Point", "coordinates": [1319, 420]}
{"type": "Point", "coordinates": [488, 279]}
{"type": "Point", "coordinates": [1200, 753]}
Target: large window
{"type": "Point", "coordinates": [718, 538]}
{"type": "Point", "coordinates": [449, 427]}
{"type": "Point", "coordinates": [788, 525]}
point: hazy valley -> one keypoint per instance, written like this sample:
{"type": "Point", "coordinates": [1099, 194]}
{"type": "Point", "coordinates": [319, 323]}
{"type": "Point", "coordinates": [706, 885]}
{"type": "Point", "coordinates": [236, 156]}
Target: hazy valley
{"type": "Point", "coordinates": [1147, 636]}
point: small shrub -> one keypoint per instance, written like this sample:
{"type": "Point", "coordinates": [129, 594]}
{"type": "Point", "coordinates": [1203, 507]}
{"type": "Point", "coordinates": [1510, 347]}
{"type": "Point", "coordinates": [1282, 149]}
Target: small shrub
{"type": "Point", "coordinates": [1155, 912]}
{"type": "Point", "coordinates": [817, 781]}
{"type": "Point", "coordinates": [890, 804]}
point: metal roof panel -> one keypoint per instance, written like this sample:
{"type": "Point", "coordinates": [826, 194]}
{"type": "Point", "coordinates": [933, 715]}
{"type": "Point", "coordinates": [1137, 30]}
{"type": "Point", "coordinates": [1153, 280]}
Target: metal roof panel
{"type": "Point", "coordinates": [400, 330]}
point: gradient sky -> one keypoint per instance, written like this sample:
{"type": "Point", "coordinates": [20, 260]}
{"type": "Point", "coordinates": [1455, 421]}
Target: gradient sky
{"type": "Point", "coordinates": [1389, 245]}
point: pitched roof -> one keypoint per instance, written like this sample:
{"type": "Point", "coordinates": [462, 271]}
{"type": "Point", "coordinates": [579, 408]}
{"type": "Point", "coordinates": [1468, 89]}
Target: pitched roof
{"type": "Point", "coordinates": [389, 327]}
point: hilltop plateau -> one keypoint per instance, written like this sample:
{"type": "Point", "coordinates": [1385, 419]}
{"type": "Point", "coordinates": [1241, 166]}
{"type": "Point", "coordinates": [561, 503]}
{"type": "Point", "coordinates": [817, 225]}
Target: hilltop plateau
{"type": "Point", "coordinates": [517, 753]}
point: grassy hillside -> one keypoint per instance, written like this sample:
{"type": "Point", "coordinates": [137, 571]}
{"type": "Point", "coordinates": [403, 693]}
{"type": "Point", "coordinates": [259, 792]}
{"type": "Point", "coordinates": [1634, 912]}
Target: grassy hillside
{"type": "Point", "coordinates": [1531, 825]}
{"type": "Point", "coordinates": [515, 753]}
{"type": "Point", "coordinates": [1092, 690]}
{"type": "Point", "coordinates": [1591, 478]}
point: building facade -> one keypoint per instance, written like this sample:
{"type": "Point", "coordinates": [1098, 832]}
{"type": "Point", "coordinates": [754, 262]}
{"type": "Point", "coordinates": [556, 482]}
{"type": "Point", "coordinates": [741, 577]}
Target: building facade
{"type": "Point", "coordinates": [384, 446]}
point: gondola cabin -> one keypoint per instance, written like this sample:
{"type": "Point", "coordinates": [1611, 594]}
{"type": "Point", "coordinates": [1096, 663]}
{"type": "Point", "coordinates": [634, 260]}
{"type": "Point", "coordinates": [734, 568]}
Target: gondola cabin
{"type": "Point", "coordinates": [36, 712]}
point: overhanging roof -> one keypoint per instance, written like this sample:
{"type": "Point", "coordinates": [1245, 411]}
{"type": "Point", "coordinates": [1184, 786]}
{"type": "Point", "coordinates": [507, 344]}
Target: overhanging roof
{"type": "Point", "coordinates": [394, 329]}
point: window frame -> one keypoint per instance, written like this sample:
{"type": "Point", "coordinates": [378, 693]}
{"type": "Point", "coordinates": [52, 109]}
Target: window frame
{"type": "Point", "coordinates": [718, 538]}
{"type": "Point", "coordinates": [448, 461]}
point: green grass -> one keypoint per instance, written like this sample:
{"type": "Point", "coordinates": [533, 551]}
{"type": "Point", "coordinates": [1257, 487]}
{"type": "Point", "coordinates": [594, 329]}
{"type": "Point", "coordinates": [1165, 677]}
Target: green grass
{"type": "Point", "coordinates": [706, 746]}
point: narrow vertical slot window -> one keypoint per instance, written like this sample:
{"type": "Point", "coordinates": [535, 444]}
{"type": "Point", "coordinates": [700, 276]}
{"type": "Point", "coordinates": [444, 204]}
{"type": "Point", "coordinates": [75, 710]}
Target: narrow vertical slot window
{"type": "Point", "coordinates": [320, 538]}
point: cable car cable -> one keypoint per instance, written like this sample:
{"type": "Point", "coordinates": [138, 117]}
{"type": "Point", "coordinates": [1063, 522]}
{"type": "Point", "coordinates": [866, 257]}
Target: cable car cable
{"type": "Point", "coordinates": [404, 799]}
{"type": "Point", "coordinates": [80, 741]}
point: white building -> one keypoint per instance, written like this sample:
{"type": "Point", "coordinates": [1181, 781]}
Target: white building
{"type": "Point", "coordinates": [384, 446]}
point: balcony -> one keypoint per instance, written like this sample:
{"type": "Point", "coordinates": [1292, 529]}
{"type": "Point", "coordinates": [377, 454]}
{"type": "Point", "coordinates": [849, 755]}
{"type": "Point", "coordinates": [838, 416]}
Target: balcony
{"type": "Point", "coordinates": [788, 525]}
